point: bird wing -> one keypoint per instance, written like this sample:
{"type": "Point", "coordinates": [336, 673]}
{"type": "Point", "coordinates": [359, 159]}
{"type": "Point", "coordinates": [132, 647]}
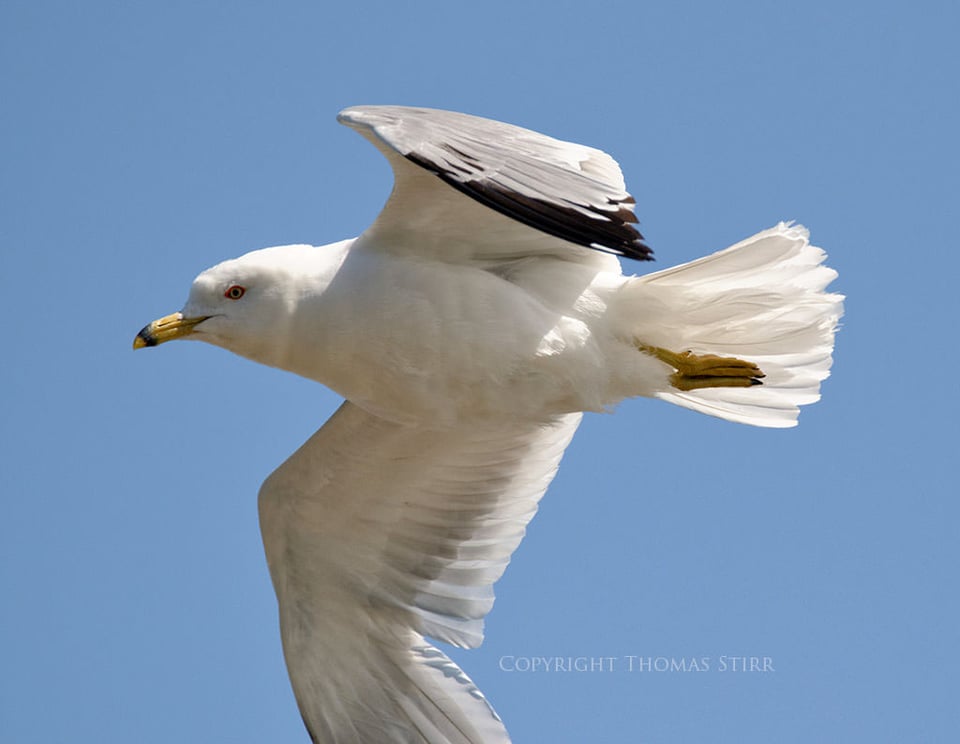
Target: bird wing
{"type": "Point", "coordinates": [377, 534]}
{"type": "Point", "coordinates": [505, 180]}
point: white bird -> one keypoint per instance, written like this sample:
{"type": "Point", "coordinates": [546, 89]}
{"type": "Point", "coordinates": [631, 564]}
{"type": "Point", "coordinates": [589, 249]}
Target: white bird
{"type": "Point", "coordinates": [467, 329]}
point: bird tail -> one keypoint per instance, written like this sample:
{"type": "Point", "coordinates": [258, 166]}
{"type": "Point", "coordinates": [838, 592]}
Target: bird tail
{"type": "Point", "coordinates": [763, 301]}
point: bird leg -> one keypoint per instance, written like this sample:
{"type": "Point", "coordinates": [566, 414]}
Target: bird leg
{"type": "Point", "coordinates": [697, 371]}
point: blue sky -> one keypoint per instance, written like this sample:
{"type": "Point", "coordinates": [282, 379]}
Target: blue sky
{"type": "Point", "coordinates": [145, 142]}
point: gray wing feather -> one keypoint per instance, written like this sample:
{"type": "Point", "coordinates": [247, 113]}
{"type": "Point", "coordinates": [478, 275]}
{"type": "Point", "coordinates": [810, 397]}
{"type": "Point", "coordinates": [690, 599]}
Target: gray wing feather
{"type": "Point", "coordinates": [568, 191]}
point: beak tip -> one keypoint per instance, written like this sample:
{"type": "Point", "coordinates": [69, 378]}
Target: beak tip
{"type": "Point", "coordinates": [165, 329]}
{"type": "Point", "coordinates": [144, 339]}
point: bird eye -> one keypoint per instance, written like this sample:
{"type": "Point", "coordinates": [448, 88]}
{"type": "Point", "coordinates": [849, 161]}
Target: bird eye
{"type": "Point", "coordinates": [235, 292]}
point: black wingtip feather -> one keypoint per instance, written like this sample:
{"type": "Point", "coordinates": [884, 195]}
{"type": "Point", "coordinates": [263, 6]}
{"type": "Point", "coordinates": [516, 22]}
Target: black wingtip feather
{"type": "Point", "coordinates": [610, 231]}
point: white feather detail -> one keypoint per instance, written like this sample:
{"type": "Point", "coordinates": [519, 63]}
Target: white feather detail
{"type": "Point", "coordinates": [761, 300]}
{"type": "Point", "coordinates": [377, 534]}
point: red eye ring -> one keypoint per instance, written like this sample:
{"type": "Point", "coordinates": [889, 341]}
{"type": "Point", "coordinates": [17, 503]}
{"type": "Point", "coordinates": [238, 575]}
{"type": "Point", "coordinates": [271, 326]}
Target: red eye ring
{"type": "Point", "coordinates": [235, 292]}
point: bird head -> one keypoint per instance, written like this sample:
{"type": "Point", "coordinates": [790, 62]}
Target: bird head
{"type": "Point", "coordinates": [244, 305]}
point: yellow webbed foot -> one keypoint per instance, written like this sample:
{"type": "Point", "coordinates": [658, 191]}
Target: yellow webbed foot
{"type": "Point", "coordinates": [698, 371]}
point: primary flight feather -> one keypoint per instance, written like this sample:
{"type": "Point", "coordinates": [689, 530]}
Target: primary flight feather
{"type": "Point", "coordinates": [468, 328]}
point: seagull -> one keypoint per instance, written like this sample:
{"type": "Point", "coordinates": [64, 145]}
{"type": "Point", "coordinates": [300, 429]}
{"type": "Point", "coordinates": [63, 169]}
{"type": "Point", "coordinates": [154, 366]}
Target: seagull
{"type": "Point", "coordinates": [468, 329]}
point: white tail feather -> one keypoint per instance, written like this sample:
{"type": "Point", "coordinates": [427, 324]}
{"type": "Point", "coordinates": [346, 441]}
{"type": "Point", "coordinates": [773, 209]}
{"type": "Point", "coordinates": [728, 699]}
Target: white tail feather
{"type": "Point", "coordinates": [762, 300]}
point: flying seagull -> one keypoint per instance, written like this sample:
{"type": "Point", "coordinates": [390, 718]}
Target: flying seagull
{"type": "Point", "coordinates": [468, 328]}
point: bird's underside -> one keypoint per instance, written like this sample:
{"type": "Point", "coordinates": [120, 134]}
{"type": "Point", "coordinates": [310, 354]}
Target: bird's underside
{"type": "Point", "coordinates": [468, 328]}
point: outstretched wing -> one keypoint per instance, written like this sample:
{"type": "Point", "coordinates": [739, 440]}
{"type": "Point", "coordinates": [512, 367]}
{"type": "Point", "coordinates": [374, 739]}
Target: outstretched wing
{"type": "Point", "coordinates": [377, 534]}
{"type": "Point", "coordinates": [573, 197]}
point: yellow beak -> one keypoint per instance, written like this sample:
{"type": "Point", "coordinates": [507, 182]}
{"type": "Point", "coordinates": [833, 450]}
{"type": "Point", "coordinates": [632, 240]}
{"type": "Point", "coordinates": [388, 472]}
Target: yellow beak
{"type": "Point", "coordinates": [165, 329]}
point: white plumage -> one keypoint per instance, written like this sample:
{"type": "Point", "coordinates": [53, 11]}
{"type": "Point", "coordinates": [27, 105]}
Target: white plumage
{"type": "Point", "coordinates": [468, 328]}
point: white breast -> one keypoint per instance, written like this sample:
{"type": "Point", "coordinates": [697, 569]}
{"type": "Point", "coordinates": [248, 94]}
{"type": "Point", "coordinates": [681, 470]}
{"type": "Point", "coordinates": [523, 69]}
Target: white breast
{"type": "Point", "coordinates": [419, 339]}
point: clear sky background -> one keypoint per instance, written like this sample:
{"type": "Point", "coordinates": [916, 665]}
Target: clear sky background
{"type": "Point", "coordinates": [144, 142]}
